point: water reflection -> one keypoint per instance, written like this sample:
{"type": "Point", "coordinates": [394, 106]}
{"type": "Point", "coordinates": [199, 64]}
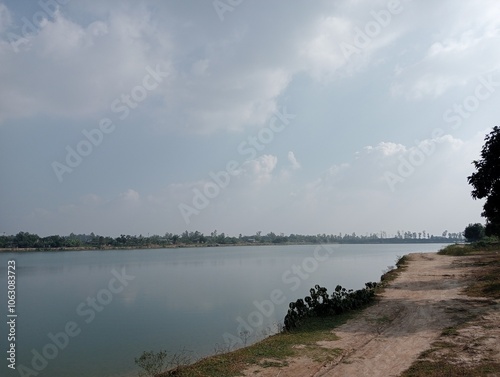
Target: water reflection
{"type": "Point", "coordinates": [178, 297]}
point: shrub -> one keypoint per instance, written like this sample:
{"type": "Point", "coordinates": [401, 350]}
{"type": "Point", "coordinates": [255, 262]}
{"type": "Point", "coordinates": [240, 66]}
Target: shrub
{"type": "Point", "coordinates": [320, 304]}
{"type": "Point", "coordinates": [152, 362]}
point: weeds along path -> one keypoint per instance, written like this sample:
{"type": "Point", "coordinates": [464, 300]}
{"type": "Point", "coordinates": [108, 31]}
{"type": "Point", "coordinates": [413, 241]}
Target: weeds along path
{"type": "Point", "coordinates": [386, 338]}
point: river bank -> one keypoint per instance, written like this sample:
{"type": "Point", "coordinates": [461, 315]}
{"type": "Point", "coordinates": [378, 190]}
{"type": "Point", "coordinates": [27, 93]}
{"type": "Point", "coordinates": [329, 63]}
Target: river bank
{"type": "Point", "coordinates": [201, 245]}
{"type": "Point", "coordinates": [431, 320]}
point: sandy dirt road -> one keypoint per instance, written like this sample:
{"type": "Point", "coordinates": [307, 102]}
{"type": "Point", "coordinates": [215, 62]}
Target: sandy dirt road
{"type": "Point", "coordinates": [386, 338]}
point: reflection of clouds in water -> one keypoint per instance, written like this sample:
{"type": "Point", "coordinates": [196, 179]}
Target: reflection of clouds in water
{"type": "Point", "coordinates": [192, 305]}
{"type": "Point", "coordinates": [187, 297]}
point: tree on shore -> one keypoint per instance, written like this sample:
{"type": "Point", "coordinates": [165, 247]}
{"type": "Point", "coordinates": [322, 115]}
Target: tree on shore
{"type": "Point", "coordinates": [474, 232]}
{"type": "Point", "coordinates": [486, 181]}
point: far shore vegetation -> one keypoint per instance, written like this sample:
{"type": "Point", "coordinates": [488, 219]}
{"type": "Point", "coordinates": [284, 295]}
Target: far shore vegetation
{"type": "Point", "coordinates": [28, 241]}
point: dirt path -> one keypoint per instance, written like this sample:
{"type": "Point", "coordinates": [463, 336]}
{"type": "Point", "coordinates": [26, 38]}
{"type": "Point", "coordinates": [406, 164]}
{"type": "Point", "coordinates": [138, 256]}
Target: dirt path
{"type": "Point", "coordinates": [386, 338]}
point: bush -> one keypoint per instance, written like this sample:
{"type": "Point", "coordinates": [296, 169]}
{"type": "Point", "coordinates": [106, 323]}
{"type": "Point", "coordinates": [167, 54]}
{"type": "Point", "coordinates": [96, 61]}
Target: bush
{"type": "Point", "coordinates": [320, 304]}
{"type": "Point", "coordinates": [152, 362]}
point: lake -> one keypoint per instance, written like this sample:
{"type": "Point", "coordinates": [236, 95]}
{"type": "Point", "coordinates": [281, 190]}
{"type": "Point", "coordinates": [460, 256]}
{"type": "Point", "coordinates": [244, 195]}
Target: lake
{"type": "Point", "coordinates": [90, 313]}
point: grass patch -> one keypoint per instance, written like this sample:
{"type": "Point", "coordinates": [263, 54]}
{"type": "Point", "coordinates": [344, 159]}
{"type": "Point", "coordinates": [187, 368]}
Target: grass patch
{"type": "Point", "coordinates": [440, 344]}
{"type": "Point", "coordinates": [457, 250]}
{"type": "Point", "coordinates": [402, 261]}
{"type": "Point", "coordinates": [487, 279]}
{"type": "Point", "coordinates": [427, 368]}
{"type": "Point", "coordinates": [436, 346]}
{"type": "Point", "coordinates": [272, 364]}
{"type": "Point", "coordinates": [449, 331]}
{"type": "Point", "coordinates": [470, 248]}
{"type": "Point", "coordinates": [487, 275]}
{"type": "Point", "coordinates": [392, 274]}
{"type": "Point", "coordinates": [272, 351]}
{"type": "Point", "coordinates": [383, 320]}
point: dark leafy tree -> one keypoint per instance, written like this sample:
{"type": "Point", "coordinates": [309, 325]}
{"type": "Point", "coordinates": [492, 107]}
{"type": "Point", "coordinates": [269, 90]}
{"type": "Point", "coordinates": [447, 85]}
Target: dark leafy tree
{"type": "Point", "coordinates": [474, 232]}
{"type": "Point", "coordinates": [486, 181]}
{"type": "Point", "coordinates": [25, 239]}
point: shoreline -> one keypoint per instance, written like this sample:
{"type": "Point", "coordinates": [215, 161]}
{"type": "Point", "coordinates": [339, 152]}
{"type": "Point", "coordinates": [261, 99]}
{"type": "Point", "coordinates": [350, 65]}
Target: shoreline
{"type": "Point", "coordinates": [187, 246]}
{"type": "Point", "coordinates": [421, 301]}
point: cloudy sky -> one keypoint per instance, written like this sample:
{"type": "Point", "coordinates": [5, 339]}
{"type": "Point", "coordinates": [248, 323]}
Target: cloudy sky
{"type": "Point", "coordinates": [287, 116]}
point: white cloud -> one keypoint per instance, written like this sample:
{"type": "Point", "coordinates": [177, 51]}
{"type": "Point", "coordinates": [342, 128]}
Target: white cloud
{"type": "Point", "coordinates": [386, 148]}
{"type": "Point", "coordinates": [215, 84]}
{"type": "Point", "coordinates": [322, 52]}
{"type": "Point", "coordinates": [232, 76]}
{"type": "Point", "coordinates": [229, 100]}
{"type": "Point", "coordinates": [259, 172]}
{"type": "Point", "coordinates": [129, 196]}
{"type": "Point", "coordinates": [293, 161]}
{"type": "Point", "coordinates": [351, 196]}
{"type": "Point", "coordinates": [5, 18]}
{"type": "Point", "coordinates": [71, 70]}
{"type": "Point", "coordinates": [464, 47]}
{"type": "Point", "coordinates": [340, 45]}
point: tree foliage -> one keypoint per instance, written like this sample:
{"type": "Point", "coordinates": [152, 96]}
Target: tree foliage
{"type": "Point", "coordinates": [95, 241]}
{"type": "Point", "coordinates": [474, 232]}
{"type": "Point", "coordinates": [486, 181]}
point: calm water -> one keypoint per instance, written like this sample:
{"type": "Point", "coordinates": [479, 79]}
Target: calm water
{"type": "Point", "coordinates": [92, 312]}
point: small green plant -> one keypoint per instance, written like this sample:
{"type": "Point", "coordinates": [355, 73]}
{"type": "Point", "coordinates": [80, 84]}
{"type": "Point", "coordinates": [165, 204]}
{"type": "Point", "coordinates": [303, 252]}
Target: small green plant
{"type": "Point", "coordinates": [449, 331]}
{"type": "Point", "coordinates": [152, 362]}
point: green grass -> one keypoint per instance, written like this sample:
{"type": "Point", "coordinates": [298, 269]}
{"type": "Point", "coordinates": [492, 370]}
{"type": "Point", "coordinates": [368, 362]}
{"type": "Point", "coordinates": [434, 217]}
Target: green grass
{"type": "Point", "coordinates": [391, 275]}
{"type": "Point", "coordinates": [457, 250]}
{"type": "Point", "coordinates": [425, 368]}
{"type": "Point", "coordinates": [272, 351]}
{"type": "Point", "coordinates": [450, 331]}
{"type": "Point", "coordinates": [470, 248]}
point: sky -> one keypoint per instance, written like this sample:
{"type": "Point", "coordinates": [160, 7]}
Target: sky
{"type": "Point", "coordinates": [147, 117]}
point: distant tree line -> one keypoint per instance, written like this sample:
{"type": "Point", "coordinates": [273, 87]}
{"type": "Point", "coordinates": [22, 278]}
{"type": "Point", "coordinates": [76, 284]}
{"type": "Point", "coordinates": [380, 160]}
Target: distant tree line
{"type": "Point", "coordinates": [28, 240]}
